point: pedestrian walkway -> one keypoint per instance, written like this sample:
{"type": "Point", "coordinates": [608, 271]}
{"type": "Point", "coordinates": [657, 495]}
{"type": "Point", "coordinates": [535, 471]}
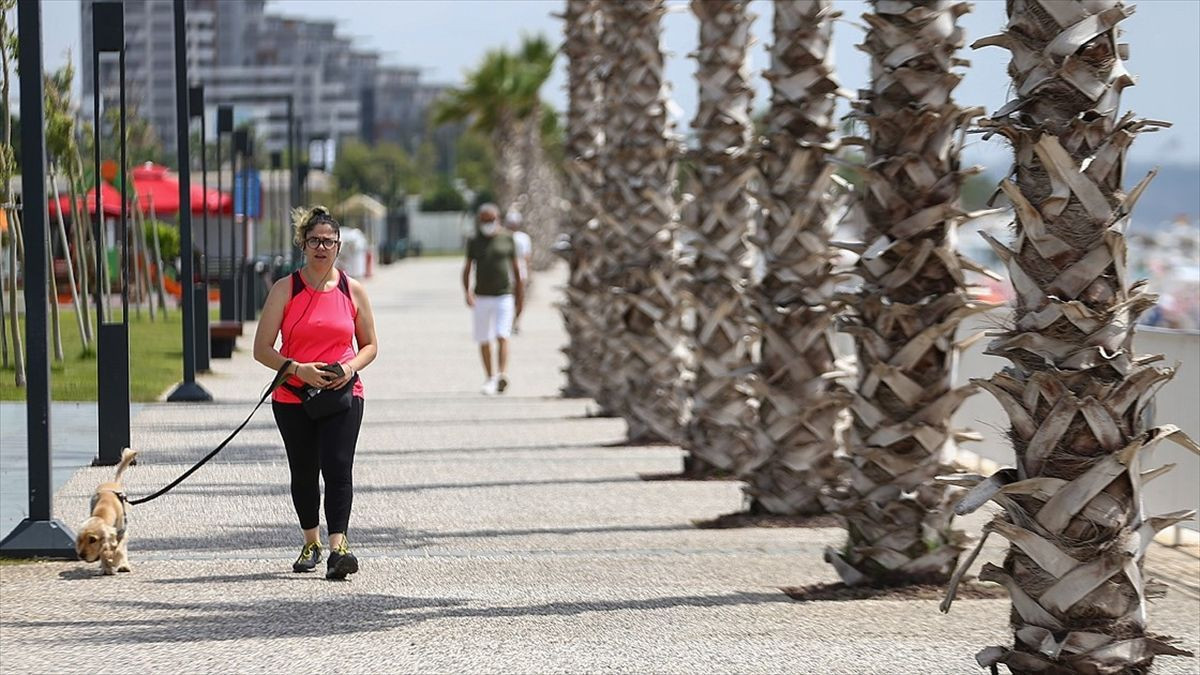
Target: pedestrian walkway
{"type": "Point", "coordinates": [73, 431]}
{"type": "Point", "coordinates": [495, 533]}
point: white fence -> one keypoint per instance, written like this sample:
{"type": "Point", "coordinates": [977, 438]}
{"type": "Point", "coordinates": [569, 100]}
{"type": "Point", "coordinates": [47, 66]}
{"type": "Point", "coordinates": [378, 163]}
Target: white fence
{"type": "Point", "coordinates": [1178, 403]}
{"type": "Point", "coordinates": [438, 231]}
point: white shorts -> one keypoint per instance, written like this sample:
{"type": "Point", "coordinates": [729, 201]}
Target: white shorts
{"type": "Point", "coordinates": [493, 317]}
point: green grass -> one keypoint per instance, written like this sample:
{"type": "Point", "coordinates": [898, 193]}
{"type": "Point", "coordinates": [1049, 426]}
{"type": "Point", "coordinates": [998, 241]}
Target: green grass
{"type": "Point", "coordinates": [156, 361]}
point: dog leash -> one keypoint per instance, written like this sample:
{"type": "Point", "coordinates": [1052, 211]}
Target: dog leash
{"type": "Point", "coordinates": [280, 376]}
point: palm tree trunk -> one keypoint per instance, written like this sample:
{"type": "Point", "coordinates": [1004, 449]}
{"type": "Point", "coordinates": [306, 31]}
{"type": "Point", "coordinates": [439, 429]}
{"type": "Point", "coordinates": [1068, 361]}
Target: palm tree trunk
{"type": "Point", "coordinates": [796, 303]}
{"type": "Point", "coordinates": [506, 170]}
{"type": "Point", "coordinates": [912, 299]}
{"type": "Point", "coordinates": [584, 135]}
{"type": "Point", "coordinates": [66, 246]}
{"type": "Point", "coordinates": [717, 226]}
{"type": "Point", "coordinates": [1078, 397]}
{"type": "Point", "coordinates": [547, 211]}
{"type": "Point", "coordinates": [644, 363]}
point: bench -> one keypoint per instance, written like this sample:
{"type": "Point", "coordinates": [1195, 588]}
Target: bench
{"type": "Point", "coordinates": [222, 337]}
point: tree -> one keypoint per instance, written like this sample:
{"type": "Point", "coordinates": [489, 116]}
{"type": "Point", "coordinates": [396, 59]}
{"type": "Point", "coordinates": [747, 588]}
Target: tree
{"type": "Point", "coordinates": [142, 143]}
{"type": "Point", "coordinates": [583, 309]}
{"type": "Point", "coordinates": [385, 171]}
{"type": "Point", "coordinates": [644, 357]}
{"type": "Point", "coordinates": [715, 230]}
{"type": "Point", "coordinates": [796, 301]}
{"type": "Point", "coordinates": [912, 298]}
{"type": "Point", "coordinates": [60, 147]}
{"type": "Point", "coordinates": [8, 167]}
{"type": "Point", "coordinates": [502, 99]}
{"type": "Point", "coordinates": [1078, 397]}
{"type": "Point", "coordinates": [474, 160]}
{"type": "Point", "coordinates": [495, 100]}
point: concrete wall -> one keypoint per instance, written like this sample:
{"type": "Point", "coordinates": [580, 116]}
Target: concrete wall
{"type": "Point", "coordinates": [1178, 403]}
{"type": "Point", "coordinates": [438, 231]}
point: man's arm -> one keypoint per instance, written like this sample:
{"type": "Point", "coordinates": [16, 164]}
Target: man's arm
{"type": "Point", "coordinates": [466, 282]}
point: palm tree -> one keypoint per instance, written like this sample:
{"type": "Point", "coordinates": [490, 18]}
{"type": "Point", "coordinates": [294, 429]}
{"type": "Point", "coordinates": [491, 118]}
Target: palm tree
{"type": "Point", "coordinates": [912, 299]}
{"type": "Point", "coordinates": [716, 229]}
{"type": "Point", "coordinates": [502, 99]}
{"type": "Point", "coordinates": [796, 302]}
{"type": "Point", "coordinates": [585, 129]}
{"type": "Point", "coordinates": [644, 359]}
{"type": "Point", "coordinates": [1078, 397]}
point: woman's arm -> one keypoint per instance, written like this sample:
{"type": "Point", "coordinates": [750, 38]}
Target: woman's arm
{"type": "Point", "coordinates": [364, 334]}
{"type": "Point", "coordinates": [269, 323]}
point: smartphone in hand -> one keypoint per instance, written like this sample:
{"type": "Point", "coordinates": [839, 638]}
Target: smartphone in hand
{"type": "Point", "coordinates": [335, 368]}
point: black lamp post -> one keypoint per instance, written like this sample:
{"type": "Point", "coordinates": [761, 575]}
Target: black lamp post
{"type": "Point", "coordinates": [247, 305]}
{"type": "Point", "coordinates": [278, 212]}
{"type": "Point", "coordinates": [237, 149]}
{"type": "Point", "coordinates": [112, 344]}
{"type": "Point", "coordinates": [203, 339]}
{"type": "Point", "coordinates": [189, 389]}
{"type": "Point", "coordinates": [39, 534]}
{"type": "Point", "coordinates": [224, 126]}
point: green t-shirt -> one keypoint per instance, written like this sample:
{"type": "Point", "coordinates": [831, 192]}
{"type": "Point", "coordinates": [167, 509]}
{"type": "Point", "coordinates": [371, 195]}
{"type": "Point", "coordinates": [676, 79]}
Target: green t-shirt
{"type": "Point", "coordinates": [493, 258]}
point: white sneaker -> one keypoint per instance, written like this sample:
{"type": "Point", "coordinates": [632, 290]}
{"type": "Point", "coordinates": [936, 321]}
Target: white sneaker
{"type": "Point", "coordinates": [490, 387]}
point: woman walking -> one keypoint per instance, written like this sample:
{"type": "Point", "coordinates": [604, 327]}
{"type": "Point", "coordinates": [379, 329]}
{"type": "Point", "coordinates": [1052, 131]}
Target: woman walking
{"type": "Point", "coordinates": [321, 313]}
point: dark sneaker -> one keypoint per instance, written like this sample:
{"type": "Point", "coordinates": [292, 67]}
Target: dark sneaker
{"type": "Point", "coordinates": [341, 563]}
{"type": "Point", "coordinates": [502, 383]}
{"type": "Point", "coordinates": [310, 557]}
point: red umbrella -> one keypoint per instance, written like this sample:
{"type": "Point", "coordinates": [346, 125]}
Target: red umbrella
{"type": "Point", "coordinates": [111, 197]}
{"type": "Point", "coordinates": [154, 184]}
{"type": "Point", "coordinates": [217, 202]}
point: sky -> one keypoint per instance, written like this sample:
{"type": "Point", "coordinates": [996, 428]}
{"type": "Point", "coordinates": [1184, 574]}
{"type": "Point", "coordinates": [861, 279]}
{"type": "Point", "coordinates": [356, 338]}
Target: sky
{"type": "Point", "coordinates": [446, 37]}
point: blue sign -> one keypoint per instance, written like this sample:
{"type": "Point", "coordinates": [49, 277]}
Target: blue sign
{"type": "Point", "coordinates": [255, 194]}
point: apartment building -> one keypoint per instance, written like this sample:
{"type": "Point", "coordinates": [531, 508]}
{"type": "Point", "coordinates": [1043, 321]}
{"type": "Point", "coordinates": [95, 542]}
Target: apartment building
{"type": "Point", "coordinates": [253, 59]}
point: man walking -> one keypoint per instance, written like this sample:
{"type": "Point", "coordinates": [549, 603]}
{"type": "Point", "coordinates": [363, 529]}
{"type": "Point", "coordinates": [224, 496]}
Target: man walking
{"type": "Point", "coordinates": [524, 246]}
{"type": "Point", "coordinates": [498, 293]}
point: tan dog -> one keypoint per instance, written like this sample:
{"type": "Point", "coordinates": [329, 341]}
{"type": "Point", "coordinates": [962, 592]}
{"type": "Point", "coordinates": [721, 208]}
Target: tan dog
{"type": "Point", "coordinates": [102, 536]}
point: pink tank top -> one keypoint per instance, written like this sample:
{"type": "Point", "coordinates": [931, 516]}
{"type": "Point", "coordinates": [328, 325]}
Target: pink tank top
{"type": "Point", "coordinates": [318, 326]}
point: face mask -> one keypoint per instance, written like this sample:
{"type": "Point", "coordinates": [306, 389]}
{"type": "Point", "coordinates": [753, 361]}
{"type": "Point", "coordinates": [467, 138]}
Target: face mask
{"type": "Point", "coordinates": [489, 229]}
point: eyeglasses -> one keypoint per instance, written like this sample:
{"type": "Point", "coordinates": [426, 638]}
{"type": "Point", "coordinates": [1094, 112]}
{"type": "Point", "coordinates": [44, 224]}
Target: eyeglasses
{"type": "Point", "coordinates": [321, 242]}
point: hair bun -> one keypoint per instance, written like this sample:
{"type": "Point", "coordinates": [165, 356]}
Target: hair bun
{"type": "Point", "coordinates": [303, 217]}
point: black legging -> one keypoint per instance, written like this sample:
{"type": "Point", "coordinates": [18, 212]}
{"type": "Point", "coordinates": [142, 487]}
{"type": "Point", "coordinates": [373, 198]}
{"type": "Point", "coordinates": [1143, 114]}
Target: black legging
{"type": "Point", "coordinates": [325, 446]}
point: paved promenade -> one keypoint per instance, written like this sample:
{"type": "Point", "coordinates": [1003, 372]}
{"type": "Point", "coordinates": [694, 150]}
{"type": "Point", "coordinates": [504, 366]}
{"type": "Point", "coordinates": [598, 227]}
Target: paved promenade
{"type": "Point", "coordinates": [495, 534]}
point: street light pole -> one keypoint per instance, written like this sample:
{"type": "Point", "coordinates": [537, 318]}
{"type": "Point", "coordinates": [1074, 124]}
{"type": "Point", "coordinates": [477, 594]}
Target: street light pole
{"type": "Point", "coordinates": [189, 389]}
{"type": "Point", "coordinates": [224, 125]}
{"type": "Point", "coordinates": [203, 339]}
{"type": "Point", "coordinates": [38, 534]}
{"type": "Point", "coordinates": [112, 344]}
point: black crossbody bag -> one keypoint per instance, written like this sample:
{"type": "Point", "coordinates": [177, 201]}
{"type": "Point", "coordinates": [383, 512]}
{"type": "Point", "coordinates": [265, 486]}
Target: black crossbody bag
{"type": "Point", "coordinates": [321, 403]}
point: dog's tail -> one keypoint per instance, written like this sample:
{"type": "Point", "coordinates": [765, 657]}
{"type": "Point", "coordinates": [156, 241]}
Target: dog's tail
{"type": "Point", "coordinates": [127, 457]}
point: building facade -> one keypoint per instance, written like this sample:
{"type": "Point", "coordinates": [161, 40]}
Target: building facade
{"type": "Point", "coordinates": [252, 59]}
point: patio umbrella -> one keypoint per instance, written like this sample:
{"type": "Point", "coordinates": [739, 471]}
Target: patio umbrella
{"type": "Point", "coordinates": [112, 201]}
{"type": "Point", "coordinates": [155, 184]}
